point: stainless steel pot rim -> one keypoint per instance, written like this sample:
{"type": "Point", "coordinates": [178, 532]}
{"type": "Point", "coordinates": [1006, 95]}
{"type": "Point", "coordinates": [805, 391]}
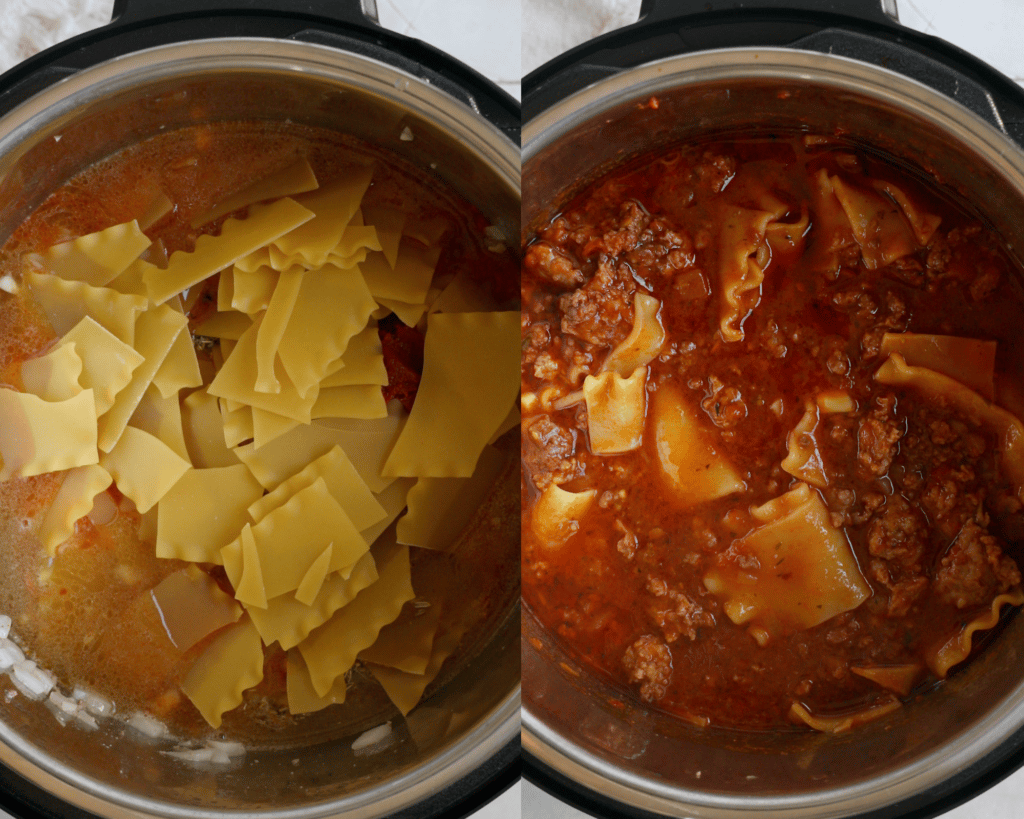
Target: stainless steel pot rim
{"type": "Point", "coordinates": [46, 112]}
{"type": "Point", "coordinates": [559, 752]}
{"type": "Point", "coordinates": [486, 739]}
{"type": "Point", "coordinates": [251, 54]}
{"type": "Point", "coordinates": [835, 72]}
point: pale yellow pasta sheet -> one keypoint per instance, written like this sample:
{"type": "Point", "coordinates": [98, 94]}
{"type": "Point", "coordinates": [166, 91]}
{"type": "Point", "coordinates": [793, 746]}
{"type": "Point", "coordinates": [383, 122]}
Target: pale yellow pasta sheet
{"type": "Point", "coordinates": [180, 368]}
{"type": "Point", "coordinates": [236, 380]}
{"type": "Point", "coordinates": [302, 699]}
{"type": "Point", "coordinates": [294, 178]}
{"type": "Point", "coordinates": [230, 324]}
{"type": "Point", "coordinates": [203, 512]}
{"type": "Point", "coordinates": [334, 206]}
{"type": "Point", "coordinates": [143, 467]}
{"type": "Point", "coordinates": [441, 508]}
{"type": "Point", "coordinates": [331, 650]}
{"type": "Point", "coordinates": [161, 418]}
{"type": "Point", "coordinates": [408, 281]}
{"type": "Point", "coordinates": [316, 337]}
{"type": "Point", "coordinates": [192, 606]}
{"type": "Point", "coordinates": [405, 644]}
{"type": "Point", "coordinates": [38, 436]}
{"type": "Point", "coordinates": [267, 426]}
{"type": "Point", "coordinates": [272, 327]}
{"type": "Point", "coordinates": [203, 430]}
{"type": "Point", "coordinates": [388, 224]}
{"type": "Point", "coordinates": [97, 258]}
{"type": "Point", "coordinates": [237, 238]}
{"type": "Point", "coordinates": [470, 380]}
{"type": "Point", "coordinates": [363, 401]}
{"type": "Point", "coordinates": [55, 375]}
{"type": "Point", "coordinates": [404, 689]}
{"type": "Point", "coordinates": [393, 501]}
{"type": "Point", "coordinates": [230, 665]}
{"type": "Point", "coordinates": [107, 362]}
{"type": "Point", "coordinates": [288, 622]}
{"type": "Point", "coordinates": [343, 482]}
{"type": "Point", "coordinates": [74, 500]}
{"type": "Point", "coordinates": [290, 538]}
{"type": "Point", "coordinates": [362, 362]}
{"type": "Point", "coordinates": [251, 291]}
{"type": "Point", "coordinates": [156, 331]}
{"type": "Point", "coordinates": [67, 303]}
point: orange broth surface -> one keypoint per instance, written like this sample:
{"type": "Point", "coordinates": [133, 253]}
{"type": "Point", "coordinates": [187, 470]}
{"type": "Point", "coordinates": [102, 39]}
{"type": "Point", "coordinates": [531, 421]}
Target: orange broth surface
{"type": "Point", "coordinates": [82, 614]}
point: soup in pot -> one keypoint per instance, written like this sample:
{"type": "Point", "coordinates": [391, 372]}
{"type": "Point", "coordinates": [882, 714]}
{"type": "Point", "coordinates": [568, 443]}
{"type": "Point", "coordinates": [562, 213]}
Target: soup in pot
{"type": "Point", "coordinates": [773, 466]}
{"type": "Point", "coordinates": [257, 381]}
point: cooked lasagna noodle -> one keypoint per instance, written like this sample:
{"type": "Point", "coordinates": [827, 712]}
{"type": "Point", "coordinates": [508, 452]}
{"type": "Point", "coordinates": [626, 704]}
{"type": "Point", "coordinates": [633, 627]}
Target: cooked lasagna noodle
{"type": "Point", "coordinates": [773, 467]}
{"type": "Point", "coordinates": [255, 388]}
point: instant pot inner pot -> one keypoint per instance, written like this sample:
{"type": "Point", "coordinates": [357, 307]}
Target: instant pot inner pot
{"type": "Point", "coordinates": [310, 769]}
{"type": "Point", "coordinates": [609, 736]}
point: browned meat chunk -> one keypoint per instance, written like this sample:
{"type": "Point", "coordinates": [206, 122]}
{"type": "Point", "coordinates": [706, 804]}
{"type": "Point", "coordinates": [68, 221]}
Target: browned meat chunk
{"type": "Point", "coordinates": [724, 405]}
{"type": "Point", "coordinates": [675, 613]}
{"type": "Point", "coordinates": [553, 265]}
{"type": "Point", "coordinates": [878, 436]}
{"type": "Point", "coordinates": [649, 662]}
{"type": "Point", "coordinates": [548, 452]}
{"type": "Point", "coordinates": [975, 569]}
{"type": "Point", "coordinates": [896, 539]}
{"type": "Point", "coordinates": [601, 311]}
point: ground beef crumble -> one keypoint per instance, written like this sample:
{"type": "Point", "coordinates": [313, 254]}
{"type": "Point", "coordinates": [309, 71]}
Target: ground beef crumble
{"type": "Point", "coordinates": [649, 662]}
{"type": "Point", "coordinates": [975, 569]}
{"type": "Point", "coordinates": [878, 436]}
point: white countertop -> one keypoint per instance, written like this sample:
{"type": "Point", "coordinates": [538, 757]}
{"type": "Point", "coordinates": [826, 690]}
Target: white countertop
{"type": "Point", "coordinates": [989, 29]}
{"type": "Point", "coordinates": [483, 34]}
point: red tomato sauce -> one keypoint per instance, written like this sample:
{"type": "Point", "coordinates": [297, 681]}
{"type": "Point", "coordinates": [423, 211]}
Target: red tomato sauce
{"type": "Point", "coordinates": [915, 486]}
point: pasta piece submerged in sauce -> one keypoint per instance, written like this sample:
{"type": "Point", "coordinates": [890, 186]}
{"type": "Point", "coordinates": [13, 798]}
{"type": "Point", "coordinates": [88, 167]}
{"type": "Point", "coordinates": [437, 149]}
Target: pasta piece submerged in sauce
{"type": "Point", "coordinates": [233, 358]}
{"type": "Point", "coordinates": [771, 439]}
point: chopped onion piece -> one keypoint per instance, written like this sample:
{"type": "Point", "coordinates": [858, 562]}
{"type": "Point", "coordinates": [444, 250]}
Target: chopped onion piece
{"type": "Point", "coordinates": [372, 737]}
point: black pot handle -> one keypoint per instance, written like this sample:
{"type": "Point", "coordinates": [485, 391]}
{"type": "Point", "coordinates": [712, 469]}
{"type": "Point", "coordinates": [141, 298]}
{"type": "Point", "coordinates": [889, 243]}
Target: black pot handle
{"type": "Point", "coordinates": [355, 12]}
{"type": "Point", "coordinates": [349, 25]}
{"type": "Point", "coordinates": [876, 11]}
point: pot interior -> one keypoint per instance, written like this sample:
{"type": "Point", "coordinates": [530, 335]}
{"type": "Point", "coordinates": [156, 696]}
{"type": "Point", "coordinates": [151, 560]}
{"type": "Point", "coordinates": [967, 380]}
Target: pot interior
{"type": "Point", "coordinates": [592, 731]}
{"type": "Point", "coordinates": [471, 711]}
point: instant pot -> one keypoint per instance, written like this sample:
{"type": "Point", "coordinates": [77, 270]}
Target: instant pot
{"type": "Point", "coordinates": [697, 68]}
{"type": "Point", "coordinates": [163, 64]}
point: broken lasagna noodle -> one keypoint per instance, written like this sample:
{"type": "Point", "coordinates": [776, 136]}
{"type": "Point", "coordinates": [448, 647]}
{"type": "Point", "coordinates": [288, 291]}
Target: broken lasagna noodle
{"type": "Point", "coordinates": [772, 448]}
{"type": "Point", "coordinates": [218, 403]}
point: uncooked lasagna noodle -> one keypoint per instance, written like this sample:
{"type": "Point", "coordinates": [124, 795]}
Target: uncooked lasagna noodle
{"type": "Point", "coordinates": [465, 394]}
{"type": "Point", "coordinates": [74, 500]}
{"type": "Point", "coordinates": [404, 688]}
{"type": "Point", "coordinates": [331, 650]}
{"type": "Point", "coordinates": [290, 180]}
{"type": "Point", "coordinates": [55, 375]}
{"type": "Point", "coordinates": [107, 362]}
{"type": "Point", "coordinates": [212, 253]}
{"type": "Point", "coordinates": [161, 418]}
{"type": "Point", "coordinates": [38, 436]}
{"type": "Point", "coordinates": [156, 331]}
{"type": "Point", "coordinates": [143, 467]}
{"type": "Point", "coordinates": [314, 337]}
{"type": "Point", "coordinates": [66, 303]}
{"type": "Point", "coordinates": [231, 664]}
{"type": "Point", "coordinates": [203, 512]}
{"type": "Point", "coordinates": [97, 258]}
{"type": "Point", "coordinates": [217, 452]}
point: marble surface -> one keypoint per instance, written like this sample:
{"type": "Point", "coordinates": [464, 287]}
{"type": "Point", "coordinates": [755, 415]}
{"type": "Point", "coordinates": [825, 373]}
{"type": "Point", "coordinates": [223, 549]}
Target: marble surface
{"type": "Point", "coordinates": [990, 29]}
{"type": "Point", "coordinates": [483, 34]}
